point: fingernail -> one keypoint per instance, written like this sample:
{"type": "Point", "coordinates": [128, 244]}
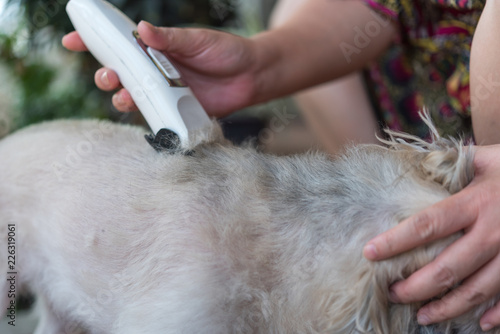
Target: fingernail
{"type": "Point", "coordinates": [64, 39]}
{"type": "Point", "coordinates": [370, 252]}
{"type": "Point", "coordinates": [118, 100]}
{"type": "Point", "coordinates": [105, 78]}
{"type": "Point", "coordinates": [393, 297]}
{"type": "Point", "coordinates": [486, 327]}
{"type": "Point", "coordinates": [149, 25]}
{"type": "Point", "coordinates": [423, 319]}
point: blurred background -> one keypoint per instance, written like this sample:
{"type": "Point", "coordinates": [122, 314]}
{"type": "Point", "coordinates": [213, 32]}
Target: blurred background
{"type": "Point", "coordinates": [40, 80]}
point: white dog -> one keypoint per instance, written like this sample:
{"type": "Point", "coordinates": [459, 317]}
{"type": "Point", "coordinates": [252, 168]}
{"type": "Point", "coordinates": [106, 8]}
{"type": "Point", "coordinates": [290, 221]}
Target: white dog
{"type": "Point", "coordinates": [114, 237]}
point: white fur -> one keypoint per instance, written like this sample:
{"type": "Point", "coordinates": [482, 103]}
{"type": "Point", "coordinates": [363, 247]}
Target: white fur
{"type": "Point", "coordinates": [114, 237]}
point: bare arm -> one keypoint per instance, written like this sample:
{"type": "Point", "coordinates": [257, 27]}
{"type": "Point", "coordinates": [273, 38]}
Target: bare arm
{"type": "Point", "coordinates": [485, 76]}
{"type": "Point", "coordinates": [327, 39]}
{"type": "Point", "coordinates": [323, 41]}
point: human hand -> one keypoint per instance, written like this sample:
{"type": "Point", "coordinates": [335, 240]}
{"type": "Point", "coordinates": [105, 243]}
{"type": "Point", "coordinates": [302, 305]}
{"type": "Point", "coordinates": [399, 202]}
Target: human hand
{"type": "Point", "coordinates": [473, 260]}
{"type": "Point", "coordinates": [219, 67]}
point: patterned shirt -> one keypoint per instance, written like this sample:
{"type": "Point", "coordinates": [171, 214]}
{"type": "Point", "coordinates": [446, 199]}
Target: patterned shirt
{"type": "Point", "coordinates": [428, 66]}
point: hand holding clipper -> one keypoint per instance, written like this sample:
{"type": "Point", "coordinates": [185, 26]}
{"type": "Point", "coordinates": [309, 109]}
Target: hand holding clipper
{"type": "Point", "coordinates": [168, 105]}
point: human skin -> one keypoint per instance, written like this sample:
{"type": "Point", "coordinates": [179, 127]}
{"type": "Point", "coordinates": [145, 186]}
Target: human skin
{"type": "Point", "coordinates": [485, 76]}
{"type": "Point", "coordinates": [473, 260]}
{"type": "Point", "coordinates": [338, 113]}
{"type": "Point", "coordinates": [227, 72]}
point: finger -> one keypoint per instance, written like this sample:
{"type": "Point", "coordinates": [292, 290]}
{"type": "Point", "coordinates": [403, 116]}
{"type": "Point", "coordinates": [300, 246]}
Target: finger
{"type": "Point", "coordinates": [441, 219]}
{"type": "Point", "coordinates": [187, 42]}
{"type": "Point", "coordinates": [73, 42]}
{"type": "Point", "coordinates": [491, 318]}
{"type": "Point", "coordinates": [474, 291]}
{"type": "Point", "coordinates": [454, 264]}
{"type": "Point", "coordinates": [123, 101]}
{"type": "Point", "coordinates": [106, 79]}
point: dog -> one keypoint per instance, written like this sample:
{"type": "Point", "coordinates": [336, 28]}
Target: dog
{"type": "Point", "coordinates": [114, 237]}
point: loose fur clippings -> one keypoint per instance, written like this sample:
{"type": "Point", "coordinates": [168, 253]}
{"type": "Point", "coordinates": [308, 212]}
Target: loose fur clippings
{"type": "Point", "coordinates": [114, 237]}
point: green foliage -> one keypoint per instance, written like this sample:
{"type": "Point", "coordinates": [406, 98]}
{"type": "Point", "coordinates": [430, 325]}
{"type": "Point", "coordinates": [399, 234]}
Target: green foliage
{"type": "Point", "coordinates": [39, 97]}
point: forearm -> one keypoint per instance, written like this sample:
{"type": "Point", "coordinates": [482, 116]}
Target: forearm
{"type": "Point", "coordinates": [325, 40]}
{"type": "Point", "coordinates": [485, 76]}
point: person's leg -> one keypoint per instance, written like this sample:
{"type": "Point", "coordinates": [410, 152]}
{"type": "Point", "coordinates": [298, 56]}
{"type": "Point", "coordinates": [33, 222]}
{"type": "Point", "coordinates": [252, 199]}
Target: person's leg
{"type": "Point", "coordinates": [338, 112]}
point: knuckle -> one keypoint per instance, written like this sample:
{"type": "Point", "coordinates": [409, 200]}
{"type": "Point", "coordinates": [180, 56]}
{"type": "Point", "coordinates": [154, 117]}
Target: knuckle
{"type": "Point", "coordinates": [439, 310]}
{"type": "Point", "coordinates": [171, 38]}
{"type": "Point", "coordinates": [168, 34]}
{"type": "Point", "coordinates": [456, 302]}
{"type": "Point", "coordinates": [387, 243]}
{"type": "Point", "coordinates": [473, 295]}
{"type": "Point", "coordinates": [424, 226]}
{"type": "Point", "coordinates": [445, 277]}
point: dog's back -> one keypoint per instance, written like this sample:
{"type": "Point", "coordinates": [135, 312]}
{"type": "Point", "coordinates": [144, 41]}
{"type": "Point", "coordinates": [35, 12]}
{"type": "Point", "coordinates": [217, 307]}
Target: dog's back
{"type": "Point", "coordinates": [121, 239]}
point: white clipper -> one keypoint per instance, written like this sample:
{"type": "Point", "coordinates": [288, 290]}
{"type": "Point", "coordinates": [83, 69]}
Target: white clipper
{"type": "Point", "coordinates": [172, 111]}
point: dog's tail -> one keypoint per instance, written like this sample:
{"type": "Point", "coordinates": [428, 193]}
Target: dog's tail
{"type": "Point", "coordinates": [447, 163]}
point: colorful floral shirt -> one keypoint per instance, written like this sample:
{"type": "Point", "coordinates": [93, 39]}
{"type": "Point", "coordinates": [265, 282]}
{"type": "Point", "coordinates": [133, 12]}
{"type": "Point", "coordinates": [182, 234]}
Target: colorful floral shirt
{"type": "Point", "coordinates": [428, 66]}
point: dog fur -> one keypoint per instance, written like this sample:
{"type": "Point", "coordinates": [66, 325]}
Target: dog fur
{"type": "Point", "coordinates": [113, 237]}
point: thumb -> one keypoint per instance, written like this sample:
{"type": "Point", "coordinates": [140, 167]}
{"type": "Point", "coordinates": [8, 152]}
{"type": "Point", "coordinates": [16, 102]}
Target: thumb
{"type": "Point", "coordinates": [186, 42]}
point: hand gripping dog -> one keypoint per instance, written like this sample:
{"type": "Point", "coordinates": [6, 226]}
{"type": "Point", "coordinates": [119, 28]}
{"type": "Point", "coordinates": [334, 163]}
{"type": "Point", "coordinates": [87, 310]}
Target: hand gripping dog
{"type": "Point", "coordinates": [174, 114]}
